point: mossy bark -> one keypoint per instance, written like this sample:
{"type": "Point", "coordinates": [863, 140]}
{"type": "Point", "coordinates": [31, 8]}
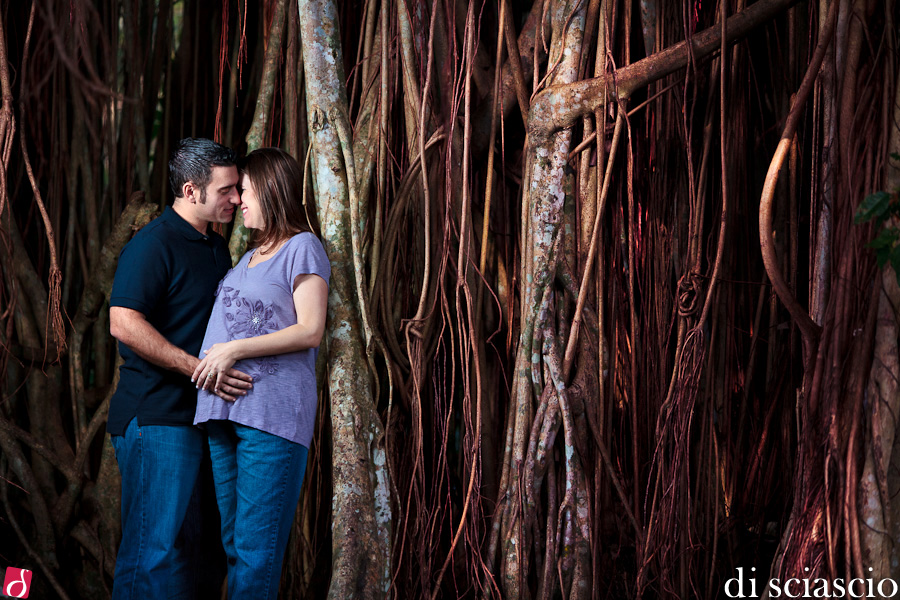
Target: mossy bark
{"type": "Point", "coordinates": [360, 507]}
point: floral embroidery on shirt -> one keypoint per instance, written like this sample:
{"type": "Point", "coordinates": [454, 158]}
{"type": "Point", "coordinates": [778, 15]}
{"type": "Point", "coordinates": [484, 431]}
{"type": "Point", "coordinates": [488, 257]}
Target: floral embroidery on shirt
{"type": "Point", "coordinates": [249, 318]}
{"type": "Point", "coordinates": [222, 287]}
{"type": "Point", "coordinates": [227, 296]}
{"type": "Point", "coordinates": [267, 365]}
{"type": "Point", "coordinates": [253, 318]}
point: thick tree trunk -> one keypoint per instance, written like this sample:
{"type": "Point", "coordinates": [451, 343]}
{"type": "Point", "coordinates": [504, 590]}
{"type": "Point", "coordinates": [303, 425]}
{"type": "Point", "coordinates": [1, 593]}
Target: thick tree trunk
{"type": "Point", "coordinates": [879, 517]}
{"type": "Point", "coordinates": [361, 507]}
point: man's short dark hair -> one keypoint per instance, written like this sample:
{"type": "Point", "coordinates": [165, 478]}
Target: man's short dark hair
{"type": "Point", "coordinates": [193, 159]}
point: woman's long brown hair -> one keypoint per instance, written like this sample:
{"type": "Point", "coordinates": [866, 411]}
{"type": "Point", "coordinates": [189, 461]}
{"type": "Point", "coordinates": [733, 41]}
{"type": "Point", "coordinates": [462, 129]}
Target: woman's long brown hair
{"type": "Point", "coordinates": [278, 182]}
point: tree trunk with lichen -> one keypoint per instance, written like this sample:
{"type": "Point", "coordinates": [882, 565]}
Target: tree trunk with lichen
{"type": "Point", "coordinates": [549, 189]}
{"type": "Point", "coordinates": [542, 402]}
{"type": "Point", "coordinates": [361, 509]}
{"type": "Point", "coordinates": [879, 510]}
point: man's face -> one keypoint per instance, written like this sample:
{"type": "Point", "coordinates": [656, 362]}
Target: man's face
{"type": "Point", "coordinates": [218, 200]}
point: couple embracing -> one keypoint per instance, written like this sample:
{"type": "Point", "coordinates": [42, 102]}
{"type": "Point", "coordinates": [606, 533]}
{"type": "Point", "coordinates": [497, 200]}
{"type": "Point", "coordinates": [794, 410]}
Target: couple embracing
{"type": "Point", "coordinates": [219, 368]}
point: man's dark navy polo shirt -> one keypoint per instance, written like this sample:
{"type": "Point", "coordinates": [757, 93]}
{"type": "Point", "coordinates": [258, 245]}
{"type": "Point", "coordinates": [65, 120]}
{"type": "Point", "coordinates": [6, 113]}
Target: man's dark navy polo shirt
{"type": "Point", "coordinates": [169, 272]}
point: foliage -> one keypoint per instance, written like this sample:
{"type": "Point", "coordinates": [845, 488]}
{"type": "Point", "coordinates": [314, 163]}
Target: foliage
{"type": "Point", "coordinates": [882, 207]}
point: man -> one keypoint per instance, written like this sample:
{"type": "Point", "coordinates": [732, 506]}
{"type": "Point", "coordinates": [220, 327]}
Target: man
{"type": "Point", "coordinates": [161, 300]}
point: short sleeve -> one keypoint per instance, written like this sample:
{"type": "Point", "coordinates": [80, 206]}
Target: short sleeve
{"type": "Point", "coordinates": [307, 258]}
{"type": "Point", "coordinates": [141, 275]}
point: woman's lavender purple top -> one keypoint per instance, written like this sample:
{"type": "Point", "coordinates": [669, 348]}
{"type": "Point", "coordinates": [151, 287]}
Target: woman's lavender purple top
{"type": "Point", "coordinates": [253, 301]}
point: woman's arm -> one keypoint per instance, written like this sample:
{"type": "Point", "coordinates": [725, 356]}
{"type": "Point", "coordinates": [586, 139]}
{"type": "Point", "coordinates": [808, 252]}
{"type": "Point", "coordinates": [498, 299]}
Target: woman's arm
{"type": "Point", "coordinates": [311, 304]}
{"type": "Point", "coordinates": [132, 328]}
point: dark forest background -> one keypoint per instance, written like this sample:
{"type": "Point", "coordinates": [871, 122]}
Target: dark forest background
{"type": "Point", "coordinates": [615, 306]}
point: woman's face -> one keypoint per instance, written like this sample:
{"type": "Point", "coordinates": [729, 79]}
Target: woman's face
{"type": "Point", "coordinates": [253, 217]}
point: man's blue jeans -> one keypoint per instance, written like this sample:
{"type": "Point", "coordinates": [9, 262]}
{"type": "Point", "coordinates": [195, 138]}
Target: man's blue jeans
{"type": "Point", "coordinates": [161, 554]}
{"type": "Point", "coordinates": [258, 478]}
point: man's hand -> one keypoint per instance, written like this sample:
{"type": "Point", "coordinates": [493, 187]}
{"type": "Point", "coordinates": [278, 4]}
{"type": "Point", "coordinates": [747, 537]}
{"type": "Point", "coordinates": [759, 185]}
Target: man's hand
{"type": "Point", "coordinates": [215, 373]}
{"type": "Point", "coordinates": [132, 329]}
{"type": "Point", "coordinates": [229, 385]}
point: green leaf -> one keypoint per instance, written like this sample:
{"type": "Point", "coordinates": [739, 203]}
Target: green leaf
{"type": "Point", "coordinates": [876, 205]}
{"type": "Point", "coordinates": [895, 262]}
{"type": "Point", "coordinates": [885, 240]}
{"type": "Point", "coordinates": [895, 156]}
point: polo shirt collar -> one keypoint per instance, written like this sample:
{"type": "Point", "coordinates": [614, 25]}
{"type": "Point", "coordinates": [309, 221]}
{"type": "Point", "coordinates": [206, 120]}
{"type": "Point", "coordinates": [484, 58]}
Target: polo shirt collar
{"type": "Point", "coordinates": [174, 220]}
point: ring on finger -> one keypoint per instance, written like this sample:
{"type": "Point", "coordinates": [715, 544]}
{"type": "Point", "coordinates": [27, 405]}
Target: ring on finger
{"type": "Point", "coordinates": [211, 375]}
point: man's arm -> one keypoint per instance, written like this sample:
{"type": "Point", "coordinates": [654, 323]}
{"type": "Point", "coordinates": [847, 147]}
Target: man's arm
{"type": "Point", "coordinates": [132, 329]}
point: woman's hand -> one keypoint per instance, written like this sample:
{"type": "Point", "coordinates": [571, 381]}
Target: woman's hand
{"type": "Point", "coordinates": [211, 373]}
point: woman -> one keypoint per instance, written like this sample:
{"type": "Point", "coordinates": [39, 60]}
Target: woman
{"type": "Point", "coordinates": [267, 321]}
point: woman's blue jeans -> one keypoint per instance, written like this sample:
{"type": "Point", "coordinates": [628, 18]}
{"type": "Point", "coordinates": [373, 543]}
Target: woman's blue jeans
{"type": "Point", "coordinates": [167, 550]}
{"type": "Point", "coordinates": [258, 478]}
